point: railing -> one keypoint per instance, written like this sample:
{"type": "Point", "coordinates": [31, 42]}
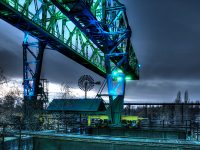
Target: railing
{"type": "Point", "coordinates": [6, 131]}
{"type": "Point", "coordinates": [64, 126]}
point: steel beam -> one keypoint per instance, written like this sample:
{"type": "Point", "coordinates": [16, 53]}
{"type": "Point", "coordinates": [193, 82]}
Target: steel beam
{"type": "Point", "coordinates": [95, 34]}
{"type": "Point", "coordinates": [44, 21]}
{"type": "Point", "coordinates": [32, 64]}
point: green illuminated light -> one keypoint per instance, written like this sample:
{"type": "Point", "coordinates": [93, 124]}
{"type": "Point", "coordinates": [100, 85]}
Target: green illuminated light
{"type": "Point", "coordinates": [128, 78]}
{"type": "Point", "coordinates": [114, 73]}
{"type": "Point", "coordinates": [119, 71]}
{"type": "Point", "coordinates": [119, 79]}
{"type": "Point", "coordinates": [117, 75]}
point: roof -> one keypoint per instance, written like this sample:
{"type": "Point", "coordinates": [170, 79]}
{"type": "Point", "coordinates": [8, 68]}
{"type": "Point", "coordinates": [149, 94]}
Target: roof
{"type": "Point", "coordinates": [77, 105]}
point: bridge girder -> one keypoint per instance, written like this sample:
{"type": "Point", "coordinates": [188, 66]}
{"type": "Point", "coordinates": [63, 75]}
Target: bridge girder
{"type": "Point", "coordinates": [96, 34]}
{"type": "Point", "coordinates": [44, 21]}
{"type": "Point", "coordinates": [110, 32]}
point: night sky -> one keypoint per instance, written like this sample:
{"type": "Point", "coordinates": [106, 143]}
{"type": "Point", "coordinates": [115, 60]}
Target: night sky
{"type": "Point", "coordinates": [166, 38]}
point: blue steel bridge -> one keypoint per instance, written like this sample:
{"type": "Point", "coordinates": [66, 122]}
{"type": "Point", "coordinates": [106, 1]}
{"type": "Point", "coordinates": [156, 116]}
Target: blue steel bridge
{"type": "Point", "coordinates": [93, 33]}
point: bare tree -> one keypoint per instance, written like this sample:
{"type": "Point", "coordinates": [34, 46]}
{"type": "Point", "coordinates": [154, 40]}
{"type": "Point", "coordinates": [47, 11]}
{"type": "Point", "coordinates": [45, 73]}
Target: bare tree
{"type": "Point", "coordinates": [66, 91]}
{"type": "Point", "coordinates": [11, 105]}
{"type": "Point", "coordinates": [178, 97]}
{"type": "Point", "coordinates": [2, 77]}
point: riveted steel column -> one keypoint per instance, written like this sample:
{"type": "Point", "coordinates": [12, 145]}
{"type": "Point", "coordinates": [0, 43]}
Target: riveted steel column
{"type": "Point", "coordinates": [32, 65]}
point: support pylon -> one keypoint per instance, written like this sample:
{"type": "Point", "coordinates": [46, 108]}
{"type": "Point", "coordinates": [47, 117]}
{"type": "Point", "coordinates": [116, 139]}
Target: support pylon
{"type": "Point", "coordinates": [32, 64]}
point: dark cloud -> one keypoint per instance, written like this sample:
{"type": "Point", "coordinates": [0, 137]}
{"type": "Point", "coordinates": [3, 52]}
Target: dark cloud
{"type": "Point", "coordinates": [166, 36]}
{"type": "Point", "coordinates": [11, 63]}
{"type": "Point", "coordinates": [161, 90]}
{"type": "Point", "coordinates": [58, 68]}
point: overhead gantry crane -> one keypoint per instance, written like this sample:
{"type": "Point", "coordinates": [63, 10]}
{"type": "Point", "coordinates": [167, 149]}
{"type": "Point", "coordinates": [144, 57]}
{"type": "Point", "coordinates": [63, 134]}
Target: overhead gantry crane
{"type": "Point", "coordinates": [94, 33]}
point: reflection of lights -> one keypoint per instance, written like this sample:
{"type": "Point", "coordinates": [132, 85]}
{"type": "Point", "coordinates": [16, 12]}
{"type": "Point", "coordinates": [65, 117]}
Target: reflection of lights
{"type": "Point", "coordinates": [31, 94]}
{"type": "Point", "coordinates": [112, 92]}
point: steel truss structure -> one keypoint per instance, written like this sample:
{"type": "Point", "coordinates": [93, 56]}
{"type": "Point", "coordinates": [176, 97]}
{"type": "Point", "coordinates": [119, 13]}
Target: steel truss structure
{"type": "Point", "coordinates": [94, 33]}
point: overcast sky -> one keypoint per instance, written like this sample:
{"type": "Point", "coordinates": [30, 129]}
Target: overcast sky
{"type": "Point", "coordinates": [166, 38]}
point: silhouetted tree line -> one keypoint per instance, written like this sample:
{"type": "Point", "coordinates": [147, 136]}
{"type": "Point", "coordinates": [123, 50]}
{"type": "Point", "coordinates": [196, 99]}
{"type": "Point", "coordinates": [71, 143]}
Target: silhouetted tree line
{"type": "Point", "coordinates": [171, 114]}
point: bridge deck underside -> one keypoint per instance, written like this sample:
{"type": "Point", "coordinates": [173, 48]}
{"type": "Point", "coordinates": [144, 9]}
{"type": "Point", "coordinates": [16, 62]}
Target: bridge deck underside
{"type": "Point", "coordinates": [16, 19]}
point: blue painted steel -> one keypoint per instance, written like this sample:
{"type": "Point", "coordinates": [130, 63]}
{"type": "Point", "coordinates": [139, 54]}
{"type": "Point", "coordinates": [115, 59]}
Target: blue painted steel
{"type": "Point", "coordinates": [111, 34]}
{"type": "Point", "coordinates": [83, 18]}
{"type": "Point", "coordinates": [32, 65]}
{"type": "Point", "coordinates": [102, 35]}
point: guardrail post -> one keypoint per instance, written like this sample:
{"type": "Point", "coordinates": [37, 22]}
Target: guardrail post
{"type": "Point", "coordinates": [186, 126]}
{"type": "Point", "coordinates": [58, 125]}
{"type": "Point", "coordinates": [3, 137]}
{"type": "Point", "coordinates": [197, 132]}
{"type": "Point", "coordinates": [20, 135]}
